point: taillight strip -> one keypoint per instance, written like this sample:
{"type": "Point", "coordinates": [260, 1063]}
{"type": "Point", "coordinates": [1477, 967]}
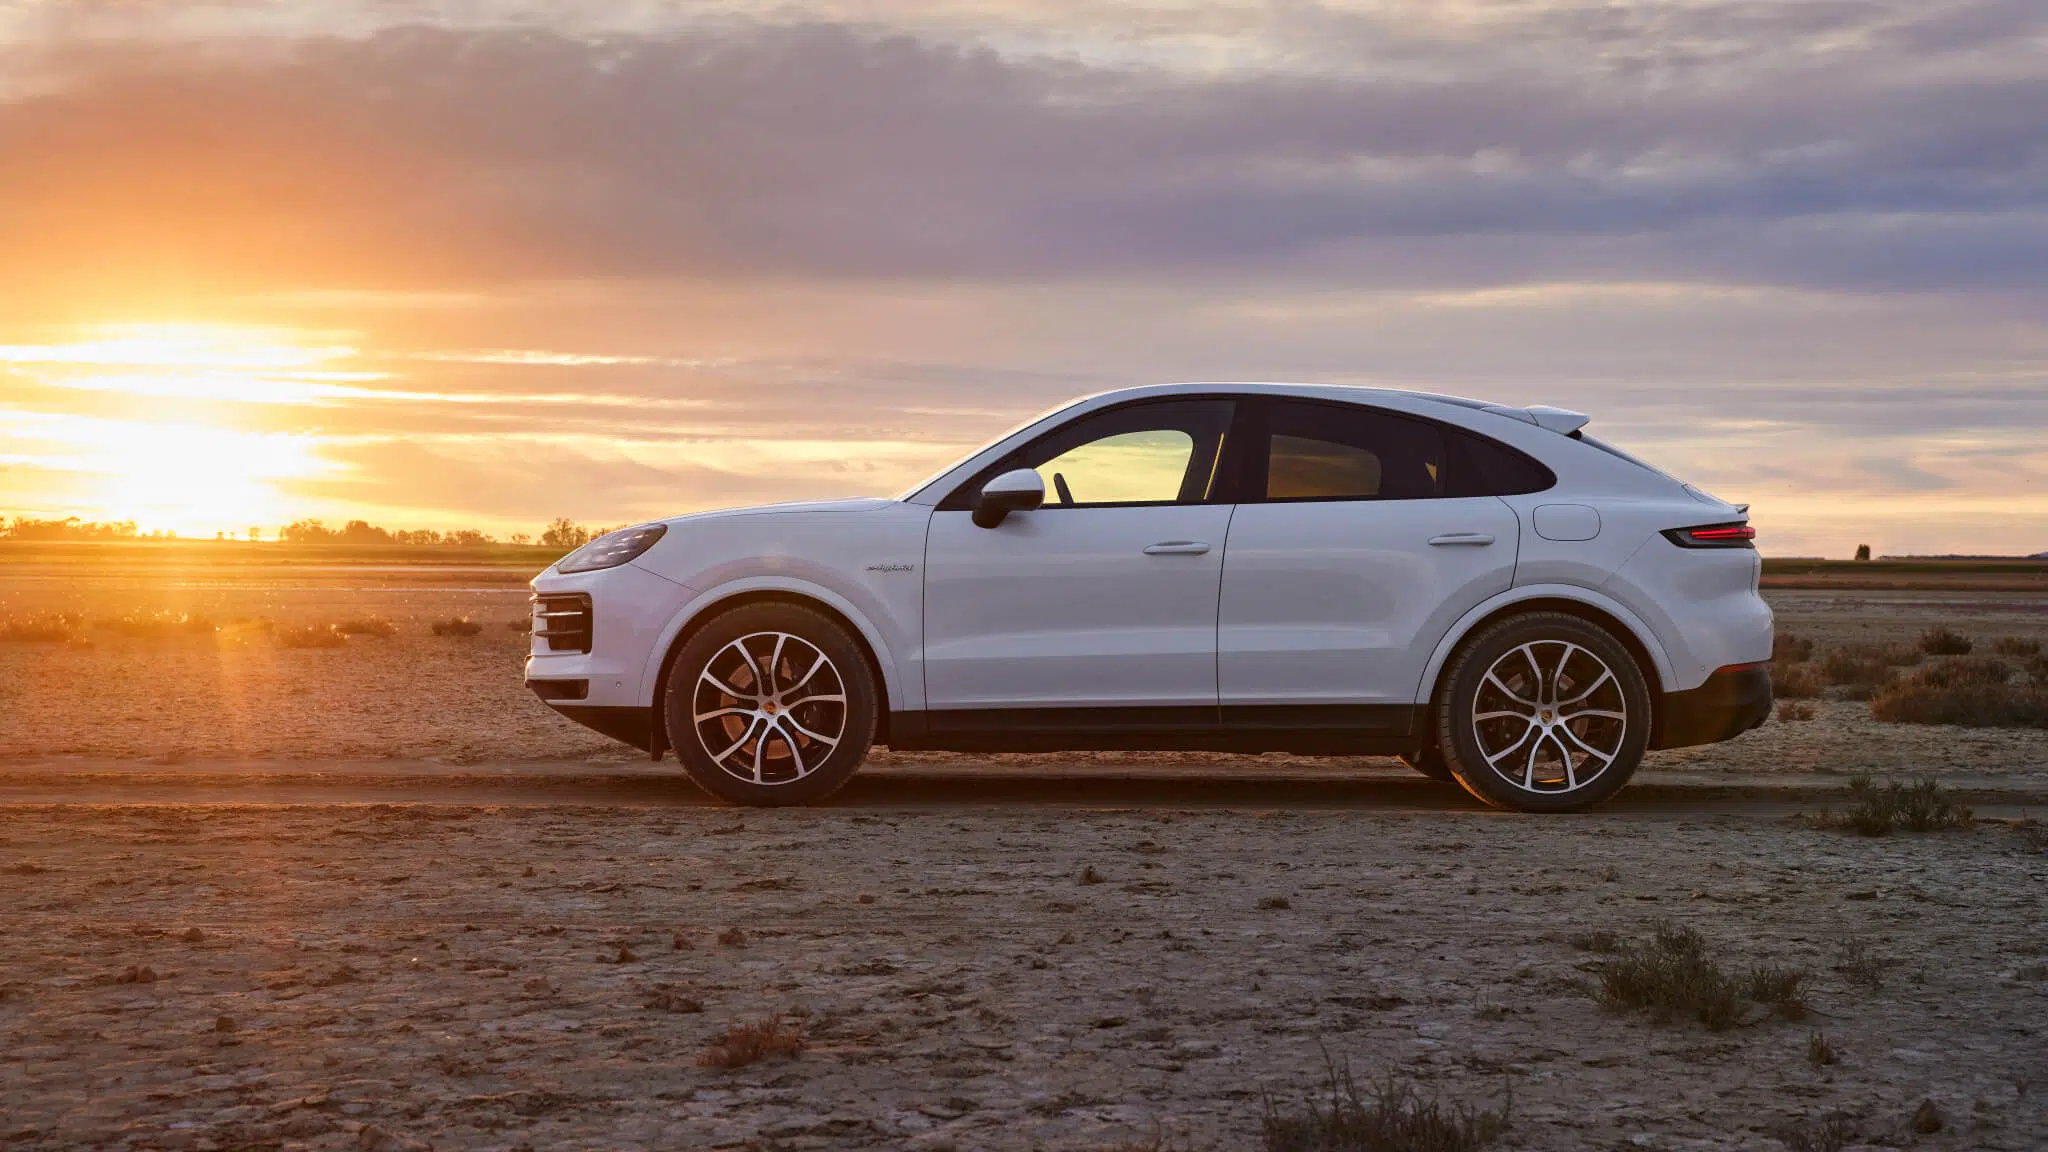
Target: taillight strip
{"type": "Point", "coordinates": [1738, 534]}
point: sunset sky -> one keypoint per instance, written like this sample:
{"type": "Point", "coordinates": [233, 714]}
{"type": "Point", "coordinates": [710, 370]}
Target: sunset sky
{"type": "Point", "coordinates": [482, 263]}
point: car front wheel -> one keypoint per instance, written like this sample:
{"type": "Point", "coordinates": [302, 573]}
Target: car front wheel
{"type": "Point", "coordinates": [1544, 712]}
{"type": "Point", "coordinates": [771, 705]}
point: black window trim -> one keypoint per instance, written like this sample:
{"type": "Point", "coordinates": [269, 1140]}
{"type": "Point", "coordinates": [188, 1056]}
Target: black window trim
{"type": "Point", "coordinates": [1254, 448]}
{"type": "Point", "coordinates": [1226, 467]}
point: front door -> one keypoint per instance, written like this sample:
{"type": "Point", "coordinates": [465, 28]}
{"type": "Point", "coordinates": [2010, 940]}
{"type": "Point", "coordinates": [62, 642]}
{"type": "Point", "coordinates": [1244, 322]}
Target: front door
{"type": "Point", "coordinates": [1349, 559]}
{"type": "Point", "coordinates": [1102, 600]}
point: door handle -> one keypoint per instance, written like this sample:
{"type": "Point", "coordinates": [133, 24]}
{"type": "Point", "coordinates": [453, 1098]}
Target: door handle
{"type": "Point", "coordinates": [1177, 548]}
{"type": "Point", "coordinates": [1478, 538]}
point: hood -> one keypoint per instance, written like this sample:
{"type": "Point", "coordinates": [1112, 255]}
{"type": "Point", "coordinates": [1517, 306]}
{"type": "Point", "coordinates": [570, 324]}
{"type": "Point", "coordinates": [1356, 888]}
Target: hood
{"type": "Point", "coordinates": [857, 504]}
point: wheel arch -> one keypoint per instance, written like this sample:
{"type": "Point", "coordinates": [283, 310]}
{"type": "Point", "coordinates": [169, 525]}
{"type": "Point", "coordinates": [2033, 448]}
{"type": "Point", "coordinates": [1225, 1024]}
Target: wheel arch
{"type": "Point", "coordinates": [1602, 611]}
{"type": "Point", "coordinates": [711, 605]}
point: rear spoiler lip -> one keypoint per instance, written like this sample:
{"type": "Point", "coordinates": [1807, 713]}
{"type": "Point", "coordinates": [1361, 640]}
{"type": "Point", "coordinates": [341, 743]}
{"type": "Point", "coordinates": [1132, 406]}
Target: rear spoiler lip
{"type": "Point", "coordinates": [1562, 421]}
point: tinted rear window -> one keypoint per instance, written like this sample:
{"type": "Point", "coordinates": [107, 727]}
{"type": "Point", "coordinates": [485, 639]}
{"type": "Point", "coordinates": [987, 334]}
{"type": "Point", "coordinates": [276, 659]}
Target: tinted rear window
{"type": "Point", "coordinates": [1483, 467]}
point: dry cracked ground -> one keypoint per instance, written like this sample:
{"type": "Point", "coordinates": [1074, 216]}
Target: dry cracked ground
{"type": "Point", "coordinates": [455, 921]}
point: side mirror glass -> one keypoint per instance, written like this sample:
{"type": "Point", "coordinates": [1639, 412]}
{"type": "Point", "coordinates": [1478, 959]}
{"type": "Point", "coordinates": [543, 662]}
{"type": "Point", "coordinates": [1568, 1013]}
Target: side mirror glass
{"type": "Point", "coordinates": [1017, 491]}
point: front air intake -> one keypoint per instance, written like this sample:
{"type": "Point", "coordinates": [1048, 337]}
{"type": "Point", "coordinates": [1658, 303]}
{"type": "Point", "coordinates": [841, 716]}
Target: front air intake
{"type": "Point", "coordinates": [562, 620]}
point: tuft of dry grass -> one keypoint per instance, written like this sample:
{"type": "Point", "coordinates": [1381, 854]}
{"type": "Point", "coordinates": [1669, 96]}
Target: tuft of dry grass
{"type": "Point", "coordinates": [2016, 646]}
{"type": "Point", "coordinates": [1820, 1052]}
{"type": "Point", "coordinates": [1831, 1133]}
{"type": "Point", "coordinates": [367, 626]}
{"type": "Point", "coordinates": [38, 629]}
{"type": "Point", "coordinates": [1794, 710]}
{"type": "Point", "coordinates": [155, 625]}
{"type": "Point", "coordinates": [1090, 876]}
{"type": "Point", "coordinates": [460, 626]}
{"type": "Point", "coordinates": [1791, 648]}
{"type": "Point", "coordinates": [1389, 1116]}
{"type": "Point", "coordinates": [1671, 977]}
{"type": "Point", "coordinates": [1942, 640]}
{"type": "Point", "coordinates": [312, 636]}
{"type": "Point", "coordinates": [1891, 655]}
{"type": "Point", "coordinates": [1860, 966]}
{"type": "Point", "coordinates": [751, 1041]}
{"type": "Point", "coordinates": [1976, 692]}
{"type": "Point", "coordinates": [1845, 667]}
{"type": "Point", "coordinates": [1798, 682]}
{"type": "Point", "coordinates": [1921, 806]}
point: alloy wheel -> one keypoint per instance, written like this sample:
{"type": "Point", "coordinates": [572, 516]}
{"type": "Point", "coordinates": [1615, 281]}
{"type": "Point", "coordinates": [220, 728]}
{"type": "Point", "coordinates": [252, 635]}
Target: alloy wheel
{"type": "Point", "coordinates": [769, 708]}
{"type": "Point", "coordinates": [1550, 717]}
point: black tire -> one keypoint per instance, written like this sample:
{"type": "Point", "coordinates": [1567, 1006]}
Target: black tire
{"type": "Point", "coordinates": [1547, 636]}
{"type": "Point", "coordinates": [745, 639]}
{"type": "Point", "coordinates": [1430, 762]}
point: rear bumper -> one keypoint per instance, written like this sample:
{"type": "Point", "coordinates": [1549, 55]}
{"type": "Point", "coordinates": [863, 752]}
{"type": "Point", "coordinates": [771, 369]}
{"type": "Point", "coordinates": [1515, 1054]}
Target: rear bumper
{"type": "Point", "coordinates": [1729, 703]}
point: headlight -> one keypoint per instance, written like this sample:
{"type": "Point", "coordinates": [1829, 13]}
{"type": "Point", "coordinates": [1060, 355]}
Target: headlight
{"type": "Point", "coordinates": [612, 549]}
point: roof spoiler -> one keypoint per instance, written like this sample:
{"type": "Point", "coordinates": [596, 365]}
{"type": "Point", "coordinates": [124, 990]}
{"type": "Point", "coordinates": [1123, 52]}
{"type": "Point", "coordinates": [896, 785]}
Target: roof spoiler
{"type": "Point", "coordinates": [1562, 421]}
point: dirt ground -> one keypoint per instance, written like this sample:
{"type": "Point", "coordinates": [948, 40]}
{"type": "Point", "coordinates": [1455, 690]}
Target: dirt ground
{"type": "Point", "coordinates": [378, 897]}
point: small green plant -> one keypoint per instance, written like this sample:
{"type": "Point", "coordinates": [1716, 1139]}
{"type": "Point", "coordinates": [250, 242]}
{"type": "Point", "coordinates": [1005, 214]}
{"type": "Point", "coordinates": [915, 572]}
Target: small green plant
{"type": "Point", "coordinates": [1942, 640]}
{"type": "Point", "coordinates": [1672, 977]}
{"type": "Point", "coordinates": [1389, 1116]}
{"type": "Point", "coordinates": [1921, 806]}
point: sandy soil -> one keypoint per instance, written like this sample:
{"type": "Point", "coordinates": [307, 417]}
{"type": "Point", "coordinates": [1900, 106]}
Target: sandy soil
{"type": "Point", "coordinates": [376, 897]}
{"type": "Point", "coordinates": [455, 974]}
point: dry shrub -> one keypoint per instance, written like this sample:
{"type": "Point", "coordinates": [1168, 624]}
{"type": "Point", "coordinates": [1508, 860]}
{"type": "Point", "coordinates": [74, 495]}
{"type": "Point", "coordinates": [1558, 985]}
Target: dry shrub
{"type": "Point", "coordinates": [1672, 976]}
{"type": "Point", "coordinates": [1944, 641]}
{"type": "Point", "coordinates": [1791, 648]}
{"type": "Point", "coordinates": [1848, 667]}
{"type": "Point", "coordinates": [1797, 682]}
{"type": "Point", "coordinates": [1975, 693]}
{"type": "Point", "coordinates": [38, 629]}
{"type": "Point", "coordinates": [1921, 806]}
{"type": "Point", "coordinates": [460, 626]}
{"type": "Point", "coordinates": [367, 626]}
{"type": "Point", "coordinates": [312, 636]}
{"type": "Point", "coordinates": [156, 625]}
{"type": "Point", "coordinates": [2037, 670]}
{"type": "Point", "coordinates": [2016, 646]}
{"type": "Point", "coordinates": [1790, 710]}
{"type": "Point", "coordinates": [1891, 655]}
{"type": "Point", "coordinates": [522, 625]}
{"type": "Point", "coordinates": [748, 1042]}
{"type": "Point", "coordinates": [1390, 1116]}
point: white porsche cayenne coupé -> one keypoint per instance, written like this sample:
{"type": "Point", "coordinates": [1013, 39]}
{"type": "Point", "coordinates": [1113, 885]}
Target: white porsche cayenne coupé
{"type": "Point", "coordinates": [1485, 591]}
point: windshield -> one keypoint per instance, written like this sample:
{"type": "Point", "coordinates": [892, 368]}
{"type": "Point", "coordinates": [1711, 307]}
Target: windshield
{"type": "Point", "coordinates": [1021, 425]}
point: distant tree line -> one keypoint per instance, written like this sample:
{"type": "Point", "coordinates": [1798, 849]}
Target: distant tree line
{"type": "Point", "coordinates": [563, 533]}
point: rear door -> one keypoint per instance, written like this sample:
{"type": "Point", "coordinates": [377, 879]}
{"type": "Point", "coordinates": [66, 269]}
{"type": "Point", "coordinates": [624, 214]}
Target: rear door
{"type": "Point", "coordinates": [1348, 559]}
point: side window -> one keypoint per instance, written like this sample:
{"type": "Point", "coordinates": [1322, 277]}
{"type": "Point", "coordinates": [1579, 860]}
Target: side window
{"type": "Point", "coordinates": [1483, 467]}
{"type": "Point", "coordinates": [1154, 452]}
{"type": "Point", "coordinates": [1340, 452]}
{"type": "Point", "coordinates": [1146, 467]}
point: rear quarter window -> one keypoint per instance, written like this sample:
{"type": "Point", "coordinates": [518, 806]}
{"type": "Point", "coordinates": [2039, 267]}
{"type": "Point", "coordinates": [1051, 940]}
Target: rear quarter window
{"type": "Point", "coordinates": [1484, 467]}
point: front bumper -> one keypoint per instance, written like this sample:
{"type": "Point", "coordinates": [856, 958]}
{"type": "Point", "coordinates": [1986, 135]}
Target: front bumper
{"type": "Point", "coordinates": [1730, 702]}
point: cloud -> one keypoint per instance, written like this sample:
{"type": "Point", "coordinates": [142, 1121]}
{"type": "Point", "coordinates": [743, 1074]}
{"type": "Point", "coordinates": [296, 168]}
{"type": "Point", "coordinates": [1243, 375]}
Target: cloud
{"type": "Point", "coordinates": [1787, 143]}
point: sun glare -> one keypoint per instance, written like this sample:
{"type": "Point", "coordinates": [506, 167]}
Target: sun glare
{"type": "Point", "coordinates": [198, 473]}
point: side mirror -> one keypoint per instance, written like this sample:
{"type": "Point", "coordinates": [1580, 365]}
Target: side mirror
{"type": "Point", "coordinates": [1018, 491]}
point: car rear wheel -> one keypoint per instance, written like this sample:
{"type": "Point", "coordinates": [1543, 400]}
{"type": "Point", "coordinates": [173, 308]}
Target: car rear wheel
{"type": "Point", "coordinates": [771, 705]}
{"type": "Point", "coordinates": [1544, 712]}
